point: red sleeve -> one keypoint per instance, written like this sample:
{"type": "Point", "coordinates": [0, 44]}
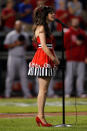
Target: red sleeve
{"type": "Point", "coordinates": [68, 44]}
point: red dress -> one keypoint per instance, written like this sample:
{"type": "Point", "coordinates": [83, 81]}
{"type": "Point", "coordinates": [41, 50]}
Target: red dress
{"type": "Point", "coordinates": [41, 64]}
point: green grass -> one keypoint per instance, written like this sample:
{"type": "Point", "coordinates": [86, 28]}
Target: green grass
{"type": "Point", "coordinates": [13, 105]}
{"type": "Point", "coordinates": [29, 124]}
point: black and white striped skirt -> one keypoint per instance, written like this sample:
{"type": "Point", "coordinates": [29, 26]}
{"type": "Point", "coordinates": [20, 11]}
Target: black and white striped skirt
{"type": "Point", "coordinates": [42, 71]}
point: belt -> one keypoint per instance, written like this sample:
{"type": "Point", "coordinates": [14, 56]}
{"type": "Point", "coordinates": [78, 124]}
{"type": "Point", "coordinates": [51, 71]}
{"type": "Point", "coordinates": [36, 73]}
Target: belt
{"type": "Point", "coordinates": [48, 45]}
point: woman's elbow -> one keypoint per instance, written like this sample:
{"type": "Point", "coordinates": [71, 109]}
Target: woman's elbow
{"type": "Point", "coordinates": [42, 45]}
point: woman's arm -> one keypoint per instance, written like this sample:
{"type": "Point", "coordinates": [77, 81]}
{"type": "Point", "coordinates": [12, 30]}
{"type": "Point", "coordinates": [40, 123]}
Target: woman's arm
{"type": "Point", "coordinates": [44, 46]}
{"type": "Point", "coordinates": [57, 58]}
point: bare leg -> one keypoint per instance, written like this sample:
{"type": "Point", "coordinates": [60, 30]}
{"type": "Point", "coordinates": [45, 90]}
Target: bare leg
{"type": "Point", "coordinates": [43, 88]}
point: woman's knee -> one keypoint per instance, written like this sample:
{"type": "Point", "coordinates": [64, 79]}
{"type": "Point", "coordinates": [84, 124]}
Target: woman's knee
{"type": "Point", "coordinates": [43, 85]}
{"type": "Point", "coordinates": [43, 91]}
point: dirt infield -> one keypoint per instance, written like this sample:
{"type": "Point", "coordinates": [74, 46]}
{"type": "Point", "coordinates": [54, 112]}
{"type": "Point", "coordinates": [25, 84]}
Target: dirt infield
{"type": "Point", "coordinates": [25, 115]}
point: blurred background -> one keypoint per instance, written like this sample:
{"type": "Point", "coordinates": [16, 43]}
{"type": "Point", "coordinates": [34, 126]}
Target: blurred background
{"type": "Point", "coordinates": [65, 10]}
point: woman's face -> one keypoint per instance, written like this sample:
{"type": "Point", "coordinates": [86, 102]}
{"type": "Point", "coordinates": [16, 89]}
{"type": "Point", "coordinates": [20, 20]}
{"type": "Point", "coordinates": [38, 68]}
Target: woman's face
{"type": "Point", "coordinates": [51, 17]}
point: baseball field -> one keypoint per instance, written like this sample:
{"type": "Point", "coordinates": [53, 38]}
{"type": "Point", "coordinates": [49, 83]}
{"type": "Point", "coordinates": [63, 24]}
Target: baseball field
{"type": "Point", "coordinates": [18, 114]}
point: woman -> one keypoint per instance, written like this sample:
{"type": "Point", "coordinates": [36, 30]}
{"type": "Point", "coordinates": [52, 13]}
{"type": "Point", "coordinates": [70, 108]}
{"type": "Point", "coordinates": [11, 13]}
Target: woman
{"type": "Point", "coordinates": [45, 61]}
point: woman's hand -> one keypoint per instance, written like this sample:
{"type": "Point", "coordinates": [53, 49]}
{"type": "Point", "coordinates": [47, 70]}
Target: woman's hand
{"type": "Point", "coordinates": [56, 61]}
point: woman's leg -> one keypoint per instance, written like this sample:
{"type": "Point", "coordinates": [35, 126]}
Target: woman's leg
{"type": "Point", "coordinates": [43, 88]}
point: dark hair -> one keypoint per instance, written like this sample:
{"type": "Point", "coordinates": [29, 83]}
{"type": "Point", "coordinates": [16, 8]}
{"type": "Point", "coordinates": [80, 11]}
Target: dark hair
{"type": "Point", "coordinates": [39, 17]}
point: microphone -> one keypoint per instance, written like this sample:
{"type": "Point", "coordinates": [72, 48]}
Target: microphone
{"type": "Point", "coordinates": [64, 25]}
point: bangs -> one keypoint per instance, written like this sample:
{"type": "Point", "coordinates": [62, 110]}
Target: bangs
{"type": "Point", "coordinates": [48, 9]}
{"type": "Point", "coordinates": [51, 10]}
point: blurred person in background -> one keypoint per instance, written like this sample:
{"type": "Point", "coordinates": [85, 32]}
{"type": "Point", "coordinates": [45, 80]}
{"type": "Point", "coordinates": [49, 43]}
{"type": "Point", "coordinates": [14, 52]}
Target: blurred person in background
{"type": "Point", "coordinates": [9, 16]}
{"type": "Point", "coordinates": [25, 12]}
{"type": "Point", "coordinates": [16, 5]}
{"type": "Point", "coordinates": [57, 5]}
{"type": "Point", "coordinates": [49, 2]}
{"type": "Point", "coordinates": [40, 3]}
{"type": "Point", "coordinates": [16, 41]}
{"type": "Point", "coordinates": [75, 6]}
{"type": "Point", "coordinates": [62, 14]}
{"type": "Point", "coordinates": [36, 3]}
{"type": "Point", "coordinates": [46, 2]}
{"type": "Point", "coordinates": [33, 3]}
{"type": "Point", "coordinates": [70, 11]}
{"type": "Point", "coordinates": [84, 16]}
{"type": "Point", "coordinates": [75, 42]}
{"type": "Point", "coordinates": [75, 9]}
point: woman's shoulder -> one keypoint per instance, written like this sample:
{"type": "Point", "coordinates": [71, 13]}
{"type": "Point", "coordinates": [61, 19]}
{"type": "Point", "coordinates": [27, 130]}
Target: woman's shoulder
{"type": "Point", "coordinates": [40, 28]}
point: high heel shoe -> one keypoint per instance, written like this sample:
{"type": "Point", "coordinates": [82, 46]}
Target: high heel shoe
{"type": "Point", "coordinates": [42, 124]}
